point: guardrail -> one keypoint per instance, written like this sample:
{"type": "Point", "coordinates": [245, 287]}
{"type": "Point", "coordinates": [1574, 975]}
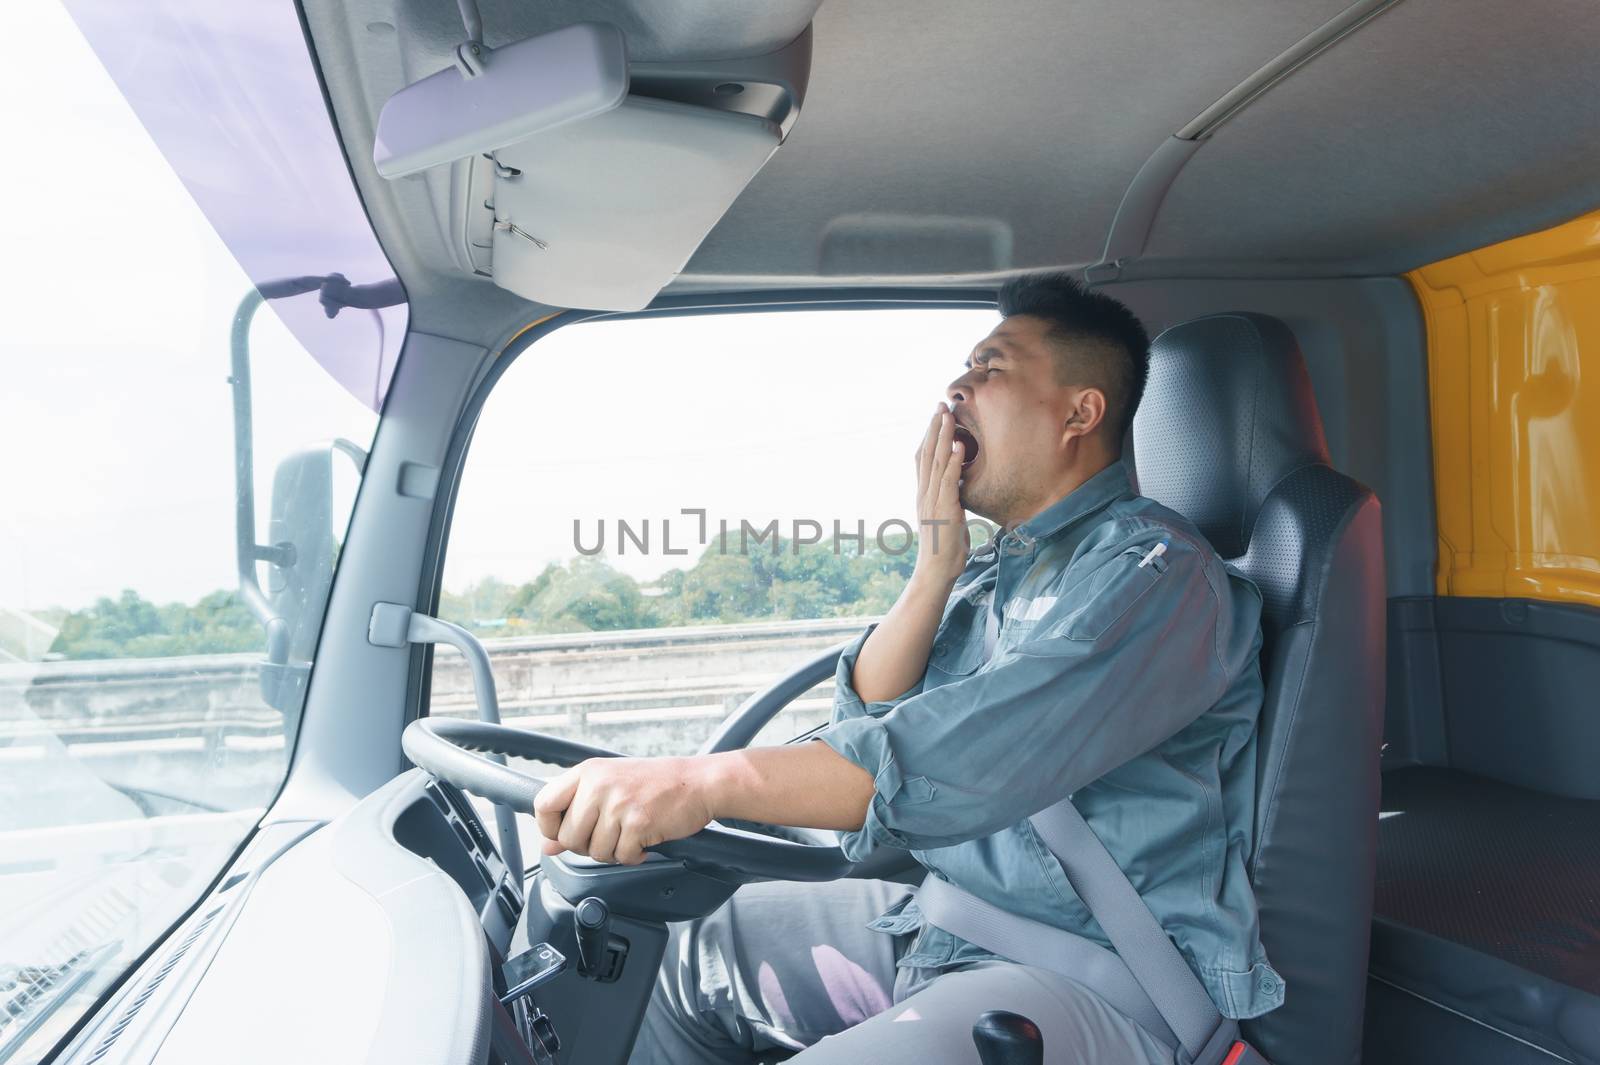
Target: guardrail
{"type": "Point", "coordinates": [645, 691]}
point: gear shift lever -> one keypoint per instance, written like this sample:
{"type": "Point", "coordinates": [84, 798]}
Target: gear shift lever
{"type": "Point", "coordinates": [1006, 1039]}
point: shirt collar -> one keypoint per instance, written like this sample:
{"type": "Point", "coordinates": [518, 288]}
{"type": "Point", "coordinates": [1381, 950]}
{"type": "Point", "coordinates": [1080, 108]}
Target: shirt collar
{"type": "Point", "coordinates": [1105, 486]}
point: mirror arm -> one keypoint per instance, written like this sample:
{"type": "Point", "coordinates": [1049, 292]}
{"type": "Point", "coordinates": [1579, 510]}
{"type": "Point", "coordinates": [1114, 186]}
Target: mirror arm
{"type": "Point", "coordinates": [335, 293]}
{"type": "Point", "coordinates": [246, 550]}
{"type": "Point", "coordinates": [357, 453]}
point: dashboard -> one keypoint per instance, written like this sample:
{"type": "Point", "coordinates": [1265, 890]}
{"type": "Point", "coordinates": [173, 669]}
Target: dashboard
{"type": "Point", "coordinates": [377, 937]}
{"type": "Point", "coordinates": [446, 831]}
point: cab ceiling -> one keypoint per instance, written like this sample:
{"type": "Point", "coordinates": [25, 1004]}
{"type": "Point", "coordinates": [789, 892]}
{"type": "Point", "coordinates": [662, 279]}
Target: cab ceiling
{"type": "Point", "coordinates": [950, 143]}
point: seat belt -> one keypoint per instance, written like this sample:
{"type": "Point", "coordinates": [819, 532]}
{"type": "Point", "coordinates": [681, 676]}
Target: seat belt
{"type": "Point", "coordinates": [1042, 946]}
{"type": "Point", "coordinates": [1184, 1015]}
{"type": "Point", "coordinates": [1138, 937]}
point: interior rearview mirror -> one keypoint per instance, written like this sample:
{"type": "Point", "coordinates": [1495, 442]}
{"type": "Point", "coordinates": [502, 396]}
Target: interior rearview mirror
{"type": "Point", "coordinates": [496, 97]}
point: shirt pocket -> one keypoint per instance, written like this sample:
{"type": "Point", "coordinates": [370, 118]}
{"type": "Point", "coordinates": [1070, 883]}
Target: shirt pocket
{"type": "Point", "coordinates": [1122, 582]}
{"type": "Point", "coordinates": [956, 653]}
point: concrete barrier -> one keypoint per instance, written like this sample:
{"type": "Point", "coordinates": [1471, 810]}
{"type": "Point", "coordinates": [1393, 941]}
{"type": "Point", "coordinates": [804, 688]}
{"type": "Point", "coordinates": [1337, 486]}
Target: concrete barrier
{"type": "Point", "coordinates": [642, 691]}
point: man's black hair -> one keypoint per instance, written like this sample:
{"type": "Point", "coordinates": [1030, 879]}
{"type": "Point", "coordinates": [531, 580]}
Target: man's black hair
{"type": "Point", "coordinates": [1102, 342]}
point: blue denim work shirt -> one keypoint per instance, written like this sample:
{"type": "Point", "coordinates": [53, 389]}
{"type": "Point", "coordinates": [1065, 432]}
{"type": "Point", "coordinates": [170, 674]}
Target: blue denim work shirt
{"type": "Point", "coordinates": [1123, 677]}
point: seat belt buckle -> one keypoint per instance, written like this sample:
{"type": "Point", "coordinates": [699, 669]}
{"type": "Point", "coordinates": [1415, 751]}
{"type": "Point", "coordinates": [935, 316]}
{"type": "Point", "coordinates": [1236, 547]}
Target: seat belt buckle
{"type": "Point", "coordinates": [1242, 1053]}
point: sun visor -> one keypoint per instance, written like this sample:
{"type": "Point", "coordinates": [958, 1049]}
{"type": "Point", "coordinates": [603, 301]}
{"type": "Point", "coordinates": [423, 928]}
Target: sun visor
{"type": "Point", "coordinates": [603, 212]}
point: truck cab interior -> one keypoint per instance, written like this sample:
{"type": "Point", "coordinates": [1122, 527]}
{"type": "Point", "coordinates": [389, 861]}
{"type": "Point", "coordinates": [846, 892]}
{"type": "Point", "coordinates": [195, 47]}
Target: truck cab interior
{"type": "Point", "coordinates": [1364, 236]}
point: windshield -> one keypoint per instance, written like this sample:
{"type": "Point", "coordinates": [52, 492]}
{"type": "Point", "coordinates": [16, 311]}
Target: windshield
{"type": "Point", "coordinates": [179, 464]}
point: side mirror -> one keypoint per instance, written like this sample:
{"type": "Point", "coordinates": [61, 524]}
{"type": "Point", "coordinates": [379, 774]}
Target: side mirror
{"type": "Point", "coordinates": [299, 552]}
{"type": "Point", "coordinates": [301, 532]}
{"type": "Point", "coordinates": [300, 544]}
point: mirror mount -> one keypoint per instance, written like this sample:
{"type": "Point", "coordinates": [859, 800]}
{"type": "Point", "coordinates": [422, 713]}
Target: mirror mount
{"type": "Point", "coordinates": [469, 54]}
{"type": "Point", "coordinates": [301, 536]}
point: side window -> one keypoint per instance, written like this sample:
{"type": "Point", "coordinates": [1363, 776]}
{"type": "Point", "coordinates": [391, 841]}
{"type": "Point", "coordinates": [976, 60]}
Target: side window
{"type": "Point", "coordinates": [660, 517]}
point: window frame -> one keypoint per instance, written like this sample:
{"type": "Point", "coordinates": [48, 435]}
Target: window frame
{"type": "Point", "coordinates": [419, 677]}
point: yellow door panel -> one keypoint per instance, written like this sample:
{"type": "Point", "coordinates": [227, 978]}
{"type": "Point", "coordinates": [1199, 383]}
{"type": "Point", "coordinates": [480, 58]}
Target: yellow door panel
{"type": "Point", "coordinates": [1516, 422]}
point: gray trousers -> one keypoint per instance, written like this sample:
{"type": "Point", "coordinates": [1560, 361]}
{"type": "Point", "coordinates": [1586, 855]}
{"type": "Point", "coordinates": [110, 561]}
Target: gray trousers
{"type": "Point", "coordinates": [792, 967]}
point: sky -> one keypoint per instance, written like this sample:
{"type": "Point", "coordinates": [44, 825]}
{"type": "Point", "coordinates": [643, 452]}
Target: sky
{"type": "Point", "coordinates": [757, 417]}
{"type": "Point", "coordinates": [115, 422]}
{"type": "Point", "coordinates": [115, 418]}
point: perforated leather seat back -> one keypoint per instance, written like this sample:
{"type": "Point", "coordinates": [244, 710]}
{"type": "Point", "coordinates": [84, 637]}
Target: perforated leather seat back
{"type": "Point", "coordinates": [1228, 434]}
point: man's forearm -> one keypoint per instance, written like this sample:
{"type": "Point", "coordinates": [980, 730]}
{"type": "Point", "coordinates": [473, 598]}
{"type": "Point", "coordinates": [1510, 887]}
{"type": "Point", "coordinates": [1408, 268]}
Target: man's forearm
{"type": "Point", "coordinates": [807, 785]}
{"type": "Point", "coordinates": [896, 654]}
{"type": "Point", "coordinates": [614, 809]}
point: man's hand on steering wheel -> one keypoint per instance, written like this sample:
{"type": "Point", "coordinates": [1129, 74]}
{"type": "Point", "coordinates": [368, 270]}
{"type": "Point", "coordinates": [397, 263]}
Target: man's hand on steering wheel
{"type": "Point", "coordinates": [805, 785]}
{"type": "Point", "coordinates": [612, 809]}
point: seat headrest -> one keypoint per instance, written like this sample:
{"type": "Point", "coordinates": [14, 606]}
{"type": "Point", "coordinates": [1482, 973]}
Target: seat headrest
{"type": "Point", "coordinates": [1227, 413]}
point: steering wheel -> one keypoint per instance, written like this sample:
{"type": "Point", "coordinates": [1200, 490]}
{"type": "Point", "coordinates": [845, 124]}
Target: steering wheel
{"type": "Point", "coordinates": [458, 751]}
{"type": "Point", "coordinates": [741, 726]}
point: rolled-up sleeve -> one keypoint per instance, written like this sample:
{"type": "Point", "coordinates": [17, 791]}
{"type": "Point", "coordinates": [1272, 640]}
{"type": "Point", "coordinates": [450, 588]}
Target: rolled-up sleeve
{"type": "Point", "coordinates": [847, 702]}
{"type": "Point", "coordinates": [1108, 673]}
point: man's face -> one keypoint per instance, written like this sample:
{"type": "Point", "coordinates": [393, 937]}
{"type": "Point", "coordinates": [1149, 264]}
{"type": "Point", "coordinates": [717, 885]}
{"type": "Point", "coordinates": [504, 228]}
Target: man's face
{"type": "Point", "coordinates": [1010, 401]}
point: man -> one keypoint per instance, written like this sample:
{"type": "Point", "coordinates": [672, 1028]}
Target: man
{"type": "Point", "coordinates": [1098, 650]}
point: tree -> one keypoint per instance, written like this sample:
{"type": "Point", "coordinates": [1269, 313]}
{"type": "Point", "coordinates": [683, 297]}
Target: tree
{"type": "Point", "coordinates": [132, 627]}
{"type": "Point", "coordinates": [879, 578]}
{"type": "Point", "coordinates": [489, 600]}
{"type": "Point", "coordinates": [521, 605]}
{"type": "Point", "coordinates": [720, 588]}
{"type": "Point", "coordinates": [724, 585]}
{"type": "Point", "coordinates": [585, 594]}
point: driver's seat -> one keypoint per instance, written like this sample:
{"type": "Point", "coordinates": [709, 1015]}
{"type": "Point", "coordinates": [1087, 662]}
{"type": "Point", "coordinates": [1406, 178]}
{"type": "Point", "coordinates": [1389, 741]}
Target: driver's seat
{"type": "Point", "coordinates": [1228, 435]}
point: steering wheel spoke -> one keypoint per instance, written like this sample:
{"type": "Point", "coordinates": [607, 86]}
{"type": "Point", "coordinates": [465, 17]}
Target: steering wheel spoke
{"type": "Point", "coordinates": [755, 712]}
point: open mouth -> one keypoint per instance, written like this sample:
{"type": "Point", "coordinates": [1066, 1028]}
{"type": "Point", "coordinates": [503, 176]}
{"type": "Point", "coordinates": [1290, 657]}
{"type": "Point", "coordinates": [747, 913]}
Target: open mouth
{"type": "Point", "coordinates": [969, 445]}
